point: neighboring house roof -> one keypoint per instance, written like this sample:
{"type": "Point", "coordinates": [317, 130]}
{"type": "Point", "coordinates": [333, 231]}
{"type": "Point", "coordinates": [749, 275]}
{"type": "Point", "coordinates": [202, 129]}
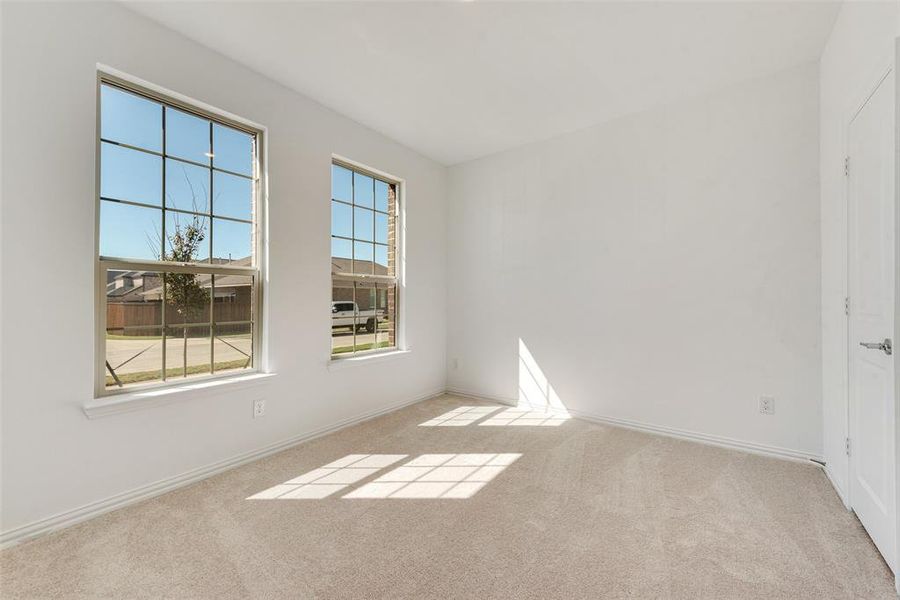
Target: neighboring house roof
{"type": "Point", "coordinates": [127, 286]}
{"type": "Point", "coordinates": [345, 266]}
{"type": "Point", "coordinates": [114, 292]}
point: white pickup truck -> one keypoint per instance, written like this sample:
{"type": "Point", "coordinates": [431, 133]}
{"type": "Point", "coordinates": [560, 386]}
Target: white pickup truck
{"type": "Point", "coordinates": [345, 314]}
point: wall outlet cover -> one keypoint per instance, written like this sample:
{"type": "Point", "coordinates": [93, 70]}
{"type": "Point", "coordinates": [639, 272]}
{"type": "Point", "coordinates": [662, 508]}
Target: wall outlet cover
{"type": "Point", "coordinates": [767, 405]}
{"type": "Point", "coordinates": [259, 408]}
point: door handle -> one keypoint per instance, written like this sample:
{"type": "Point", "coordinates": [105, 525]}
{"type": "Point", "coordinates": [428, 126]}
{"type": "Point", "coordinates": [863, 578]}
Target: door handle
{"type": "Point", "coordinates": [884, 346]}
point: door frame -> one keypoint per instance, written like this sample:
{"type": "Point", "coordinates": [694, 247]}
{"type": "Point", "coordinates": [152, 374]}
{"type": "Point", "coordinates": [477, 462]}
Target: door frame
{"type": "Point", "coordinates": [887, 70]}
{"type": "Point", "coordinates": [897, 295]}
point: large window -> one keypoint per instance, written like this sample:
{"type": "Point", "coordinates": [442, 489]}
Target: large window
{"type": "Point", "coordinates": [178, 234]}
{"type": "Point", "coordinates": [364, 208]}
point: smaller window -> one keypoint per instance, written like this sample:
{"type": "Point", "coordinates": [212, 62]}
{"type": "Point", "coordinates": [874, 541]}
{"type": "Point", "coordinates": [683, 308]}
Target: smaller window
{"type": "Point", "coordinates": [364, 292]}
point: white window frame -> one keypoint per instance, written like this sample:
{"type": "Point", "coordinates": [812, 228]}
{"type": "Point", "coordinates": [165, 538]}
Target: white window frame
{"type": "Point", "coordinates": [399, 277]}
{"type": "Point", "coordinates": [109, 76]}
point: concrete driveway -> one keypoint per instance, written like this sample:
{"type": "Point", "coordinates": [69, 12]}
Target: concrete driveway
{"type": "Point", "coordinates": [120, 350]}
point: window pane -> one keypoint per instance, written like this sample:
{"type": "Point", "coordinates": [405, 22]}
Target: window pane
{"type": "Point", "coordinates": [342, 317]}
{"type": "Point", "coordinates": [386, 310]}
{"type": "Point", "coordinates": [341, 255]}
{"type": "Point", "coordinates": [341, 219]}
{"type": "Point", "coordinates": [363, 256]}
{"type": "Point", "coordinates": [363, 224]}
{"type": "Point", "coordinates": [130, 231]}
{"type": "Point", "coordinates": [381, 228]}
{"type": "Point", "coordinates": [341, 184]}
{"type": "Point", "coordinates": [133, 328]}
{"type": "Point", "coordinates": [232, 196]}
{"type": "Point", "coordinates": [187, 186]}
{"type": "Point", "coordinates": [381, 260]}
{"type": "Point", "coordinates": [363, 190]}
{"type": "Point", "coordinates": [187, 298]}
{"type": "Point", "coordinates": [233, 347]}
{"type": "Point", "coordinates": [187, 136]}
{"type": "Point", "coordinates": [231, 242]}
{"type": "Point", "coordinates": [367, 318]}
{"type": "Point", "coordinates": [234, 298]}
{"type": "Point", "coordinates": [232, 150]}
{"type": "Point", "coordinates": [188, 351]}
{"type": "Point", "coordinates": [187, 237]}
{"type": "Point", "coordinates": [130, 119]}
{"type": "Point", "coordinates": [341, 248]}
{"type": "Point", "coordinates": [130, 175]}
{"type": "Point", "coordinates": [381, 196]}
{"type": "Point", "coordinates": [233, 313]}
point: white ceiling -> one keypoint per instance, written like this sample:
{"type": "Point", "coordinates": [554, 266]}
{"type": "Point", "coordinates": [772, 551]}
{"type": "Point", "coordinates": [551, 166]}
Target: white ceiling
{"type": "Point", "coordinates": [461, 80]}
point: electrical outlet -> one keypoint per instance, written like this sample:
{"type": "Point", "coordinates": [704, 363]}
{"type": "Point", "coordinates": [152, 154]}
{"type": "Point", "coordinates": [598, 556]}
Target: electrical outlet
{"type": "Point", "coordinates": [767, 405]}
{"type": "Point", "coordinates": [455, 363]}
{"type": "Point", "coordinates": [259, 408]}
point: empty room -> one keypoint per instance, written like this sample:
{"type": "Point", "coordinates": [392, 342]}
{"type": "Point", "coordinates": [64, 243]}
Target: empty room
{"type": "Point", "coordinates": [438, 300]}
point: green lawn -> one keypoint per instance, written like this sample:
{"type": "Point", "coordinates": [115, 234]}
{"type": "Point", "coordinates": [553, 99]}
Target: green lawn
{"type": "Point", "coordinates": [370, 346]}
{"type": "Point", "coordinates": [174, 372]}
{"type": "Point", "coordinates": [117, 336]}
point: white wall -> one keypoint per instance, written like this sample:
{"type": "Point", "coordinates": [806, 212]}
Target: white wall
{"type": "Point", "coordinates": [53, 458]}
{"type": "Point", "coordinates": [662, 268]}
{"type": "Point", "coordinates": [857, 53]}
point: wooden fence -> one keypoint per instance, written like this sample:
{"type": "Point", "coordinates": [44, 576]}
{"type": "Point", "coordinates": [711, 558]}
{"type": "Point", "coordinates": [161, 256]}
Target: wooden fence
{"type": "Point", "coordinates": [144, 318]}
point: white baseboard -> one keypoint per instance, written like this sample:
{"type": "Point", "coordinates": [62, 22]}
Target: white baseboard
{"type": "Point", "coordinates": [683, 434]}
{"type": "Point", "coordinates": [94, 509]}
{"type": "Point", "coordinates": [703, 438]}
{"type": "Point", "coordinates": [484, 397]}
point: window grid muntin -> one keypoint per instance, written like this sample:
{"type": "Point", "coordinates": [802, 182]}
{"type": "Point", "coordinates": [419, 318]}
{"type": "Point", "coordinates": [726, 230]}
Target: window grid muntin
{"type": "Point", "coordinates": [177, 210]}
{"type": "Point", "coordinates": [123, 263]}
{"type": "Point", "coordinates": [378, 282]}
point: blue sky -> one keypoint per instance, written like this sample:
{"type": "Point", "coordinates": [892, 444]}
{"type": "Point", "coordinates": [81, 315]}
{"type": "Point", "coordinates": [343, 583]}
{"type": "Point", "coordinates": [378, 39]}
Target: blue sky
{"type": "Point", "coordinates": [126, 231]}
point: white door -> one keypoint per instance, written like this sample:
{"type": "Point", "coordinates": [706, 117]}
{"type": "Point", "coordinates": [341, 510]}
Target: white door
{"type": "Point", "coordinates": [871, 273]}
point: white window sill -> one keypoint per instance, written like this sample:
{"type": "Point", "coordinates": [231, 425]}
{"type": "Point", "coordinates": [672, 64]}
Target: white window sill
{"type": "Point", "coordinates": [365, 359]}
{"type": "Point", "coordinates": [140, 399]}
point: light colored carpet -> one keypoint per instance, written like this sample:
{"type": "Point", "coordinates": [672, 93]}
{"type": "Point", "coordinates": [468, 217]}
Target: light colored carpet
{"type": "Point", "coordinates": [586, 511]}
